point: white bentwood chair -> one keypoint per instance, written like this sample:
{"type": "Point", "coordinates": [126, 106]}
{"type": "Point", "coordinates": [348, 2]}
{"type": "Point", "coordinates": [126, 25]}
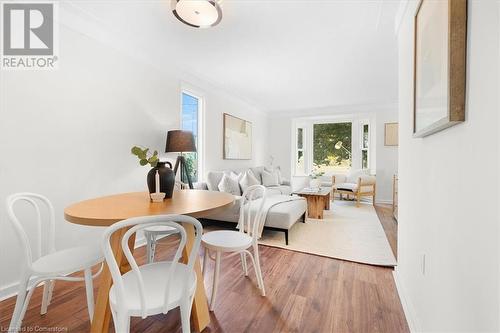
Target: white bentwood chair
{"type": "Point", "coordinates": [152, 288]}
{"type": "Point", "coordinates": [42, 263]}
{"type": "Point", "coordinates": [238, 242]}
{"type": "Point", "coordinates": [151, 234]}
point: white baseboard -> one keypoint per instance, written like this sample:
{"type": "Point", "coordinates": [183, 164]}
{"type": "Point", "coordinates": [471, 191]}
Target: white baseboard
{"type": "Point", "coordinates": [11, 289]}
{"type": "Point", "coordinates": [8, 290]}
{"type": "Point", "coordinates": [408, 309]}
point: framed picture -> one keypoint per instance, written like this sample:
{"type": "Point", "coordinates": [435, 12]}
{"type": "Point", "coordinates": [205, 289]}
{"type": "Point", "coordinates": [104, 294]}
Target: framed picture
{"type": "Point", "coordinates": [439, 65]}
{"type": "Point", "coordinates": [391, 134]}
{"type": "Point", "coordinates": [237, 138]}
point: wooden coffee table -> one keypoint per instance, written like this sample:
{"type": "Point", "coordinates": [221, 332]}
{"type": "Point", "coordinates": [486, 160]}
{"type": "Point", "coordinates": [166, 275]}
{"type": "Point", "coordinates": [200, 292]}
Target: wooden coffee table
{"type": "Point", "coordinates": [316, 202]}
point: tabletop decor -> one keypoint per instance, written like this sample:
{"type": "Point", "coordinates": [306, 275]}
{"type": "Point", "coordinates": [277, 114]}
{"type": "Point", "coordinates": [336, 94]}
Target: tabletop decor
{"type": "Point", "coordinates": [439, 65]}
{"type": "Point", "coordinates": [315, 177]}
{"type": "Point", "coordinates": [157, 196]}
{"type": "Point", "coordinates": [166, 175]}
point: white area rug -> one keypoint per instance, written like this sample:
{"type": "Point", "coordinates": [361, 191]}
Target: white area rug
{"type": "Point", "coordinates": [346, 232]}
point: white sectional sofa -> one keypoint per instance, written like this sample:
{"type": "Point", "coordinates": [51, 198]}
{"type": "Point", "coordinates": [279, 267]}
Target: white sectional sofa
{"type": "Point", "coordinates": [214, 177]}
{"type": "Point", "coordinates": [283, 214]}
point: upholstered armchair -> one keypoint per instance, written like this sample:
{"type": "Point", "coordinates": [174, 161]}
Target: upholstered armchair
{"type": "Point", "coordinates": [357, 183]}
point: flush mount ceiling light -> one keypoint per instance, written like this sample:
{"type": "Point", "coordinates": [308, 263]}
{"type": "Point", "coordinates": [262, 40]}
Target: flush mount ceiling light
{"type": "Point", "coordinates": [197, 13]}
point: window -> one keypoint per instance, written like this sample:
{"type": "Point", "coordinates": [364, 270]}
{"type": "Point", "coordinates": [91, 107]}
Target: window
{"type": "Point", "coordinates": [300, 166]}
{"type": "Point", "coordinates": [365, 143]}
{"type": "Point", "coordinates": [332, 144]}
{"type": "Point", "coordinates": [332, 147]}
{"type": "Point", "coordinates": [190, 121]}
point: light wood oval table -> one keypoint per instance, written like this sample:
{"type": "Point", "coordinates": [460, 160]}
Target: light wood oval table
{"type": "Point", "coordinates": [105, 211]}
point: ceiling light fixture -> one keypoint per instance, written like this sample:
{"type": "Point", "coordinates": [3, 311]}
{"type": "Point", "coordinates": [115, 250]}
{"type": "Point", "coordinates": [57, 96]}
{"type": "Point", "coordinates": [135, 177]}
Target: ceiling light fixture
{"type": "Point", "coordinates": [197, 13]}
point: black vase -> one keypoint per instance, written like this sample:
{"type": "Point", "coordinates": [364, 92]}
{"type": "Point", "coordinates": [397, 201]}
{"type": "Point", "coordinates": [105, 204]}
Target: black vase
{"type": "Point", "coordinates": [167, 179]}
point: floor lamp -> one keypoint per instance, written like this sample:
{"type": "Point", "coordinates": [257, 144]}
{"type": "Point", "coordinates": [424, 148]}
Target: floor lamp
{"type": "Point", "coordinates": [181, 142]}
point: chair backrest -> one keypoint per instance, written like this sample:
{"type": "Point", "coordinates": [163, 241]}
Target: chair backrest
{"type": "Point", "coordinates": [252, 209]}
{"type": "Point", "coordinates": [44, 231]}
{"type": "Point", "coordinates": [139, 223]}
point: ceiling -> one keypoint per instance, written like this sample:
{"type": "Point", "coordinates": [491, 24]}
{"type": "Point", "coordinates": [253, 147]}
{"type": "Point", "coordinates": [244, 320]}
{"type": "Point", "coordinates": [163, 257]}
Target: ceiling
{"type": "Point", "coordinates": [276, 54]}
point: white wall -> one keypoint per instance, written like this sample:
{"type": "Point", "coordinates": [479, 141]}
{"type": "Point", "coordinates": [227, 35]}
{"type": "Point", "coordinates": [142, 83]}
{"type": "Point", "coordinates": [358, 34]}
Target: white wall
{"type": "Point", "coordinates": [216, 104]}
{"type": "Point", "coordinates": [448, 193]}
{"type": "Point", "coordinates": [67, 133]}
{"type": "Point", "coordinates": [280, 134]}
{"type": "Point", "coordinates": [387, 156]}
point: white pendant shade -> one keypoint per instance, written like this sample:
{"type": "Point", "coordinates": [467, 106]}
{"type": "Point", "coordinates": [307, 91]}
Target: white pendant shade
{"type": "Point", "coordinates": [197, 13]}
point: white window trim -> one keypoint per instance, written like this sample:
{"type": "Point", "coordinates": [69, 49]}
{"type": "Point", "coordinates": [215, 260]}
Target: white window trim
{"type": "Point", "coordinates": [200, 95]}
{"type": "Point", "coordinates": [297, 149]}
{"type": "Point", "coordinates": [362, 124]}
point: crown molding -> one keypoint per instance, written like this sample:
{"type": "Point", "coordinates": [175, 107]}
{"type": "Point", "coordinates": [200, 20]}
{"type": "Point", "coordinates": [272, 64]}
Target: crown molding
{"type": "Point", "coordinates": [336, 110]}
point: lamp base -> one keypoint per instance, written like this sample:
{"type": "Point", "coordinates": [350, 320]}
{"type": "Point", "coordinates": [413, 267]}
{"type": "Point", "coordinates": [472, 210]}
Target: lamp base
{"type": "Point", "coordinates": [181, 161]}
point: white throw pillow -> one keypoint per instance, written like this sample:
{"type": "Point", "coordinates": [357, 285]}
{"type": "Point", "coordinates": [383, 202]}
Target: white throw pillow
{"type": "Point", "coordinates": [229, 184]}
{"type": "Point", "coordinates": [352, 177]}
{"type": "Point", "coordinates": [236, 176]}
{"type": "Point", "coordinates": [278, 172]}
{"type": "Point", "coordinates": [247, 180]}
{"type": "Point", "coordinates": [280, 177]}
{"type": "Point", "coordinates": [270, 178]}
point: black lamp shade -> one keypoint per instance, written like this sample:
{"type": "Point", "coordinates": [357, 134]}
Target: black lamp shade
{"type": "Point", "coordinates": [180, 141]}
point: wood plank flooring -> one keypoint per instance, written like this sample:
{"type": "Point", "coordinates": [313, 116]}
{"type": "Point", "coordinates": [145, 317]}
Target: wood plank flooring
{"type": "Point", "coordinates": [305, 293]}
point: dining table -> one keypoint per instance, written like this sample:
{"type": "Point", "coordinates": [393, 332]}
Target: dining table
{"type": "Point", "coordinates": [106, 210]}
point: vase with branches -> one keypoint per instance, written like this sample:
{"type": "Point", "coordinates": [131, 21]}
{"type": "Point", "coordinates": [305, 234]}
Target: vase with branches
{"type": "Point", "coordinates": [166, 174]}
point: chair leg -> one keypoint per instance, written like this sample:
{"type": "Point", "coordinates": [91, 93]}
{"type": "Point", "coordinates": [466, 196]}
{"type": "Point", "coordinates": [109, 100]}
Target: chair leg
{"type": "Point", "coordinates": [216, 280]}
{"type": "Point", "coordinates": [16, 320]}
{"type": "Point", "coordinates": [243, 256]}
{"type": "Point", "coordinates": [206, 256]}
{"type": "Point", "coordinates": [45, 297]}
{"type": "Point", "coordinates": [185, 309]}
{"type": "Point", "coordinates": [51, 290]}
{"type": "Point", "coordinates": [258, 271]}
{"type": "Point", "coordinates": [89, 289]}
{"type": "Point", "coordinates": [153, 247]}
{"type": "Point", "coordinates": [147, 235]}
{"type": "Point", "coordinates": [150, 247]}
{"type": "Point", "coordinates": [122, 323]}
{"type": "Point", "coordinates": [114, 315]}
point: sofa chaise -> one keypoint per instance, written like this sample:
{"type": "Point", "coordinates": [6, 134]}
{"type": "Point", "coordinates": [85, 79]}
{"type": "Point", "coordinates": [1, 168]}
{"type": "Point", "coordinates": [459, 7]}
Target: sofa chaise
{"type": "Point", "coordinates": [284, 210]}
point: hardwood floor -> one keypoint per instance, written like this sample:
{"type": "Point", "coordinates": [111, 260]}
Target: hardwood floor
{"type": "Point", "coordinates": [305, 293]}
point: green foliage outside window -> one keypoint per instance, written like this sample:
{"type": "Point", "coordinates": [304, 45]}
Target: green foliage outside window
{"type": "Point", "coordinates": [191, 164]}
{"type": "Point", "coordinates": [325, 137]}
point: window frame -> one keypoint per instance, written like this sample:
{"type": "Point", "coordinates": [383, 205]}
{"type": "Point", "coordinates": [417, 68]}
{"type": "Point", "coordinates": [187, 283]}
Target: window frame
{"type": "Point", "coordinates": [297, 150]}
{"type": "Point", "coordinates": [362, 147]}
{"type": "Point", "coordinates": [200, 96]}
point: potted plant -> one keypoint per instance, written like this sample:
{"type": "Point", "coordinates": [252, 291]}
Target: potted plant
{"type": "Point", "coordinates": [167, 176]}
{"type": "Point", "coordinates": [315, 174]}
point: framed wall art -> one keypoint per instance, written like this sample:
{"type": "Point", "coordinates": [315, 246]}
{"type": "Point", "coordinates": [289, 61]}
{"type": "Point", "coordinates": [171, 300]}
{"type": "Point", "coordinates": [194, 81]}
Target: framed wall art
{"type": "Point", "coordinates": [440, 33]}
{"type": "Point", "coordinates": [237, 143]}
{"type": "Point", "coordinates": [391, 134]}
